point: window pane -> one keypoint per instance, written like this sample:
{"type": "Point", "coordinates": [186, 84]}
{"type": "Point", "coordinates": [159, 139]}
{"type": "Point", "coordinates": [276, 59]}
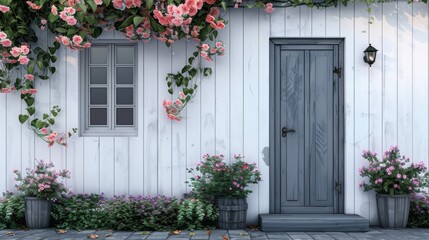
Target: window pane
{"type": "Point", "coordinates": [98, 55]}
{"type": "Point", "coordinates": [98, 75]}
{"type": "Point", "coordinates": [124, 75]}
{"type": "Point", "coordinates": [124, 116]}
{"type": "Point", "coordinates": [98, 96]}
{"type": "Point", "coordinates": [98, 116]}
{"type": "Point", "coordinates": [124, 96]}
{"type": "Point", "coordinates": [124, 55]}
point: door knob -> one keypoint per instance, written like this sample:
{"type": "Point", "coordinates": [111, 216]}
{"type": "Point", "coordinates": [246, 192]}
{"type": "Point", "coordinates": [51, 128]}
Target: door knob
{"type": "Point", "coordinates": [286, 130]}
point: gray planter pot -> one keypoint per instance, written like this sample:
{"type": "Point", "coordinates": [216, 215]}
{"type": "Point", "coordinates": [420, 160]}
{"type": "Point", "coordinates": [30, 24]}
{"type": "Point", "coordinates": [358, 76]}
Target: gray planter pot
{"type": "Point", "coordinates": [37, 212]}
{"type": "Point", "coordinates": [393, 210]}
{"type": "Point", "coordinates": [232, 212]}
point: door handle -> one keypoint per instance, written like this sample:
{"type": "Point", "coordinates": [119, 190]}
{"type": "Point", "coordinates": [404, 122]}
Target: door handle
{"type": "Point", "coordinates": [286, 130]}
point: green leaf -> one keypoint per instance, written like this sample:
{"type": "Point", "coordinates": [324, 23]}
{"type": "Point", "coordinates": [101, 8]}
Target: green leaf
{"type": "Point", "coordinates": [51, 121]}
{"type": "Point", "coordinates": [126, 23]}
{"type": "Point", "coordinates": [23, 118]}
{"type": "Point", "coordinates": [191, 60]}
{"type": "Point", "coordinates": [52, 69]}
{"type": "Point", "coordinates": [92, 5]}
{"type": "Point", "coordinates": [149, 4]}
{"type": "Point", "coordinates": [111, 16]}
{"type": "Point", "coordinates": [45, 116]}
{"type": "Point", "coordinates": [29, 101]}
{"type": "Point", "coordinates": [137, 20]}
{"type": "Point", "coordinates": [107, 2]}
{"type": "Point", "coordinates": [186, 68]}
{"type": "Point", "coordinates": [31, 110]}
{"type": "Point", "coordinates": [61, 30]}
{"type": "Point", "coordinates": [52, 18]}
{"type": "Point", "coordinates": [224, 5]}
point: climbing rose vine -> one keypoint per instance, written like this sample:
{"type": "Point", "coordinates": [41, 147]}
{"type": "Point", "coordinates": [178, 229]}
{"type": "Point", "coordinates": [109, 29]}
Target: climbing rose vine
{"type": "Point", "coordinates": [75, 23]}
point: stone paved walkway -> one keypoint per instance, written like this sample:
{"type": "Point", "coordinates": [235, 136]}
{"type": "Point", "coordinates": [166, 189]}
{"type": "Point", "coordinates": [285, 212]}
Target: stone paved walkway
{"type": "Point", "coordinates": [375, 233]}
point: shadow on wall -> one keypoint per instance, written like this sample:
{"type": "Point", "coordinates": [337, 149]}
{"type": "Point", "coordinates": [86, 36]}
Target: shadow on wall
{"type": "Point", "coordinates": [266, 155]}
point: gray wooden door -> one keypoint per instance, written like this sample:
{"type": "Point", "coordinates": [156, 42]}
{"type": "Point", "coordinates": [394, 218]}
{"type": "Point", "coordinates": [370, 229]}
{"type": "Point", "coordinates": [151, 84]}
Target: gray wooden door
{"type": "Point", "coordinates": [307, 125]}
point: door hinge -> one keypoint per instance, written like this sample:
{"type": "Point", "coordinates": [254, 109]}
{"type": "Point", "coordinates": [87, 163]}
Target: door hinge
{"type": "Point", "coordinates": [338, 187]}
{"type": "Point", "coordinates": [337, 71]}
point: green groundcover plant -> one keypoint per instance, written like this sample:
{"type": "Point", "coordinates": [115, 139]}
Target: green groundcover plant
{"type": "Point", "coordinates": [12, 208]}
{"type": "Point", "coordinates": [132, 213]}
{"type": "Point", "coordinates": [419, 211]}
{"type": "Point", "coordinates": [392, 173]}
{"type": "Point", "coordinates": [215, 178]}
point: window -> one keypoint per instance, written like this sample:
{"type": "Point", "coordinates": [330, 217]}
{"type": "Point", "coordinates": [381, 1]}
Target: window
{"type": "Point", "coordinates": [108, 90]}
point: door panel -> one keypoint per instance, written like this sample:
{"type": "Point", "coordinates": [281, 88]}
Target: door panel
{"type": "Point", "coordinates": [292, 117]}
{"type": "Point", "coordinates": [306, 151]}
{"type": "Point", "coordinates": [321, 188]}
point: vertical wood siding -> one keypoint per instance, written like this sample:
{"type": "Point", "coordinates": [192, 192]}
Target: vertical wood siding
{"type": "Point", "coordinates": [385, 105]}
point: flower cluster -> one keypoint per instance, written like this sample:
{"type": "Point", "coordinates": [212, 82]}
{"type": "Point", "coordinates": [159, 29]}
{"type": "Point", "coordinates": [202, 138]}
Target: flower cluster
{"type": "Point", "coordinates": [207, 52]}
{"type": "Point", "coordinates": [122, 4]}
{"type": "Point", "coordinates": [173, 108]}
{"type": "Point", "coordinates": [75, 43]}
{"type": "Point", "coordinates": [142, 32]}
{"type": "Point", "coordinates": [42, 182]}
{"type": "Point", "coordinates": [4, 41]}
{"type": "Point", "coordinates": [392, 174]}
{"type": "Point", "coordinates": [213, 20]}
{"type": "Point", "coordinates": [67, 15]}
{"type": "Point", "coordinates": [215, 178]}
{"type": "Point", "coordinates": [52, 137]}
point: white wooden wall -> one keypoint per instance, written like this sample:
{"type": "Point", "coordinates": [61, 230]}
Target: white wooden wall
{"type": "Point", "coordinates": [385, 105]}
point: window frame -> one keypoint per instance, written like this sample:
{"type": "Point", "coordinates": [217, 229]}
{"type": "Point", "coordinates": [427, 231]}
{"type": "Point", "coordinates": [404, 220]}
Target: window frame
{"type": "Point", "coordinates": [111, 129]}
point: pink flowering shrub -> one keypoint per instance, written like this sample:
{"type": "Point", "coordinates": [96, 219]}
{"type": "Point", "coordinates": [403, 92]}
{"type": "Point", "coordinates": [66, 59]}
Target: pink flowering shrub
{"type": "Point", "coordinates": [216, 178]}
{"type": "Point", "coordinates": [43, 181]}
{"type": "Point", "coordinates": [392, 174]}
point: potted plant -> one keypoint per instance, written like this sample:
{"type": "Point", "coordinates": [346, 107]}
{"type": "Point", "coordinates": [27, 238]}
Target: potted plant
{"type": "Point", "coordinates": [393, 178]}
{"type": "Point", "coordinates": [40, 186]}
{"type": "Point", "coordinates": [226, 186]}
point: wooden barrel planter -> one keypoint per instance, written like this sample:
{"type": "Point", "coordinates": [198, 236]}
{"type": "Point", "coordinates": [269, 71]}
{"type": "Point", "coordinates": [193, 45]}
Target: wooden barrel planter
{"type": "Point", "coordinates": [393, 210]}
{"type": "Point", "coordinates": [37, 212]}
{"type": "Point", "coordinates": [232, 212]}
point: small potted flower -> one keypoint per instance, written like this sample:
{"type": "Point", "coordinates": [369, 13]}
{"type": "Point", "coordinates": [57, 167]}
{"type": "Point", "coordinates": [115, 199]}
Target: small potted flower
{"type": "Point", "coordinates": [41, 186]}
{"type": "Point", "coordinates": [226, 186]}
{"type": "Point", "coordinates": [393, 178]}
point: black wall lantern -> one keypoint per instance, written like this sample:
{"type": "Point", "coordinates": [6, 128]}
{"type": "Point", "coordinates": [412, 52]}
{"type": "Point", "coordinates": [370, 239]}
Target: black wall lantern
{"type": "Point", "coordinates": [370, 55]}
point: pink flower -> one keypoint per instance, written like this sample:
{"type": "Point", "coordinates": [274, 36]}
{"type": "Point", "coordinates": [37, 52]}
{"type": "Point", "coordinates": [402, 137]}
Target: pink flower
{"type": "Point", "coordinates": [44, 131]}
{"type": "Point", "coordinates": [77, 39]}
{"type": "Point", "coordinates": [269, 8]}
{"type": "Point", "coordinates": [6, 42]}
{"type": "Point", "coordinates": [167, 103]}
{"type": "Point", "coordinates": [33, 5]}
{"type": "Point", "coordinates": [25, 49]}
{"type": "Point", "coordinates": [98, 2]}
{"type": "Point", "coordinates": [4, 9]}
{"type": "Point", "coordinates": [3, 35]}
{"type": "Point", "coordinates": [43, 21]}
{"type": "Point", "coordinates": [29, 77]}
{"type": "Point", "coordinates": [15, 51]}
{"type": "Point", "coordinates": [54, 10]}
{"type": "Point", "coordinates": [7, 90]}
{"type": "Point", "coordinates": [71, 21]}
{"type": "Point", "coordinates": [404, 176]}
{"type": "Point", "coordinates": [23, 60]}
{"type": "Point", "coordinates": [179, 102]}
{"type": "Point", "coordinates": [398, 175]}
{"type": "Point", "coordinates": [395, 185]}
{"type": "Point", "coordinates": [181, 95]}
